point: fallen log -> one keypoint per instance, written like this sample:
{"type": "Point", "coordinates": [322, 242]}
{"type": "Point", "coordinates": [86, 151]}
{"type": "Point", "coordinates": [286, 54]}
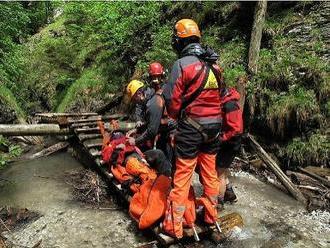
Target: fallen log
{"type": "Point", "coordinates": [272, 165]}
{"type": "Point", "coordinates": [50, 150]}
{"type": "Point", "coordinates": [311, 174]}
{"type": "Point", "coordinates": [300, 178]}
{"type": "Point", "coordinates": [32, 129]}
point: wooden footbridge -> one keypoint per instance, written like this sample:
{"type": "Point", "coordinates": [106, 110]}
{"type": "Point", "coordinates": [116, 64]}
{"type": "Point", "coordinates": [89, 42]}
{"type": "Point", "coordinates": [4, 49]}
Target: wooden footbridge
{"type": "Point", "coordinates": [83, 133]}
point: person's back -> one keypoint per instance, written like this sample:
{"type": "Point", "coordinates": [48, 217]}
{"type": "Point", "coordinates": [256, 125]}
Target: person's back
{"type": "Point", "coordinates": [187, 76]}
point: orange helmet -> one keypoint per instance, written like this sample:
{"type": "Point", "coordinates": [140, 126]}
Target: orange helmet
{"type": "Point", "coordinates": [187, 28]}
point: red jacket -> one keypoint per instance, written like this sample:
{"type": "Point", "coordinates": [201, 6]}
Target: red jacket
{"type": "Point", "coordinates": [108, 150]}
{"type": "Point", "coordinates": [231, 113]}
{"type": "Point", "coordinates": [183, 83]}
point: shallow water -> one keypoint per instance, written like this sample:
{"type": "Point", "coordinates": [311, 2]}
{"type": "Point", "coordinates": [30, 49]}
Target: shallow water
{"type": "Point", "coordinates": [39, 185]}
{"type": "Point", "coordinates": [272, 218]}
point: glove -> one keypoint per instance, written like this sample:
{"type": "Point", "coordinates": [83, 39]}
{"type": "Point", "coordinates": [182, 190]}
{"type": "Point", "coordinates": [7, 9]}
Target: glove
{"type": "Point", "coordinates": [131, 141]}
{"type": "Point", "coordinates": [172, 124]}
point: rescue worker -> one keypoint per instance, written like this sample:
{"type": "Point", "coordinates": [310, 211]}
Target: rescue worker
{"type": "Point", "coordinates": [154, 109]}
{"type": "Point", "coordinates": [193, 99]}
{"type": "Point", "coordinates": [232, 129]}
{"type": "Point", "coordinates": [140, 107]}
{"type": "Point", "coordinates": [156, 78]}
{"type": "Point", "coordinates": [156, 75]}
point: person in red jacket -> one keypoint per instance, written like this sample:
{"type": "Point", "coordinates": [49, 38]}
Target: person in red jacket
{"type": "Point", "coordinates": [192, 98]}
{"type": "Point", "coordinates": [232, 129]}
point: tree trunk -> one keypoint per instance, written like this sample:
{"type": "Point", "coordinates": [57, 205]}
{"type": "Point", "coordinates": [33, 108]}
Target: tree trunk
{"type": "Point", "coordinates": [241, 88]}
{"type": "Point", "coordinates": [256, 34]}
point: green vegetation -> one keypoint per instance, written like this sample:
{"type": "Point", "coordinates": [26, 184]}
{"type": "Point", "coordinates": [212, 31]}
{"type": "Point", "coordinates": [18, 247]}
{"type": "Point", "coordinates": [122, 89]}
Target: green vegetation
{"type": "Point", "coordinates": [314, 149]}
{"type": "Point", "coordinates": [8, 151]}
{"type": "Point", "coordinates": [79, 59]}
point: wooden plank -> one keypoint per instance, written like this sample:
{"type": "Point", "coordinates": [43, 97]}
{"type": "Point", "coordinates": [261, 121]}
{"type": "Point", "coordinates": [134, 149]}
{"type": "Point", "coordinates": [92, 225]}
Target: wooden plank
{"type": "Point", "coordinates": [83, 137]}
{"type": "Point", "coordinates": [122, 126]}
{"type": "Point", "coordinates": [95, 153]}
{"type": "Point", "coordinates": [83, 124]}
{"type": "Point", "coordinates": [52, 115]}
{"type": "Point", "coordinates": [32, 129]}
{"type": "Point", "coordinates": [294, 191]}
{"type": "Point", "coordinates": [93, 145]}
{"type": "Point", "coordinates": [98, 118]}
{"type": "Point", "coordinates": [88, 130]}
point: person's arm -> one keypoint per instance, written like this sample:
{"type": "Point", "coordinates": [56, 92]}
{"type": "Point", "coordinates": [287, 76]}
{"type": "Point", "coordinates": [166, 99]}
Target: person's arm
{"type": "Point", "coordinates": [138, 113]}
{"type": "Point", "coordinates": [233, 120]}
{"type": "Point", "coordinates": [173, 91]}
{"type": "Point", "coordinates": [154, 115]}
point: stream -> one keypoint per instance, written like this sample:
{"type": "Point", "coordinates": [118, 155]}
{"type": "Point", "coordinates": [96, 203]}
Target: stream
{"type": "Point", "coordinates": [272, 218]}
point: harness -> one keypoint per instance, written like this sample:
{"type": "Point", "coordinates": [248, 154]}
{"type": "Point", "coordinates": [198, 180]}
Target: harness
{"type": "Point", "coordinates": [200, 128]}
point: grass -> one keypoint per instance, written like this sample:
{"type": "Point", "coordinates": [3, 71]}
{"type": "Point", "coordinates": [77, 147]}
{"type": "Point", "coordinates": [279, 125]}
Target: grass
{"type": "Point", "coordinates": [310, 152]}
{"type": "Point", "coordinates": [89, 85]}
{"type": "Point", "coordinates": [296, 108]}
{"type": "Point", "coordinates": [7, 97]}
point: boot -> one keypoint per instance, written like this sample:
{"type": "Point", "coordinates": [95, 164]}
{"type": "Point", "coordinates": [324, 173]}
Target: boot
{"type": "Point", "coordinates": [221, 203]}
{"type": "Point", "coordinates": [230, 195]}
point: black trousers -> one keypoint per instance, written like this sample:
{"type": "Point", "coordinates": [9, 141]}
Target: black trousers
{"type": "Point", "coordinates": [189, 141]}
{"type": "Point", "coordinates": [227, 152]}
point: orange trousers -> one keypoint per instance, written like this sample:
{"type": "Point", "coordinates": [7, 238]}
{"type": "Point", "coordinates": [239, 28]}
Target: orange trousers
{"type": "Point", "coordinates": [185, 168]}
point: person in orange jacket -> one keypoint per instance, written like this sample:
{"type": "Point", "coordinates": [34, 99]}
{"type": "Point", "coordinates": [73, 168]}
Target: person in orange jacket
{"type": "Point", "coordinates": [232, 129]}
{"type": "Point", "coordinates": [192, 98]}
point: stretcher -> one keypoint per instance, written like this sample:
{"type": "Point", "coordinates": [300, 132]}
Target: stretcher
{"type": "Point", "coordinates": [88, 150]}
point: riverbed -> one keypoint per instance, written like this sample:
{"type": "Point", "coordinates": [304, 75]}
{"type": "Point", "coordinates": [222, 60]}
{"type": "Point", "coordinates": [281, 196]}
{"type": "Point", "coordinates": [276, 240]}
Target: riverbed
{"type": "Point", "coordinates": [272, 218]}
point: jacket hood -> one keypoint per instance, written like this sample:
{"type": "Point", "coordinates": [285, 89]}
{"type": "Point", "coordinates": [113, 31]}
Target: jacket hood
{"type": "Point", "coordinates": [229, 94]}
{"type": "Point", "coordinates": [195, 49]}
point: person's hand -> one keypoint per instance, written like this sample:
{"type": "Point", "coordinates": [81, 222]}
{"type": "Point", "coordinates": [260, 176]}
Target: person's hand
{"type": "Point", "coordinates": [172, 124]}
{"type": "Point", "coordinates": [139, 124]}
{"type": "Point", "coordinates": [131, 141]}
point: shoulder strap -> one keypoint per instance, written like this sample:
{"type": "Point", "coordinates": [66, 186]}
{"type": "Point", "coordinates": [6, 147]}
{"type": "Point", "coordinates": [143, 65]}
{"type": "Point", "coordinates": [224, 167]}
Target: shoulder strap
{"type": "Point", "coordinates": [197, 92]}
{"type": "Point", "coordinates": [198, 74]}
